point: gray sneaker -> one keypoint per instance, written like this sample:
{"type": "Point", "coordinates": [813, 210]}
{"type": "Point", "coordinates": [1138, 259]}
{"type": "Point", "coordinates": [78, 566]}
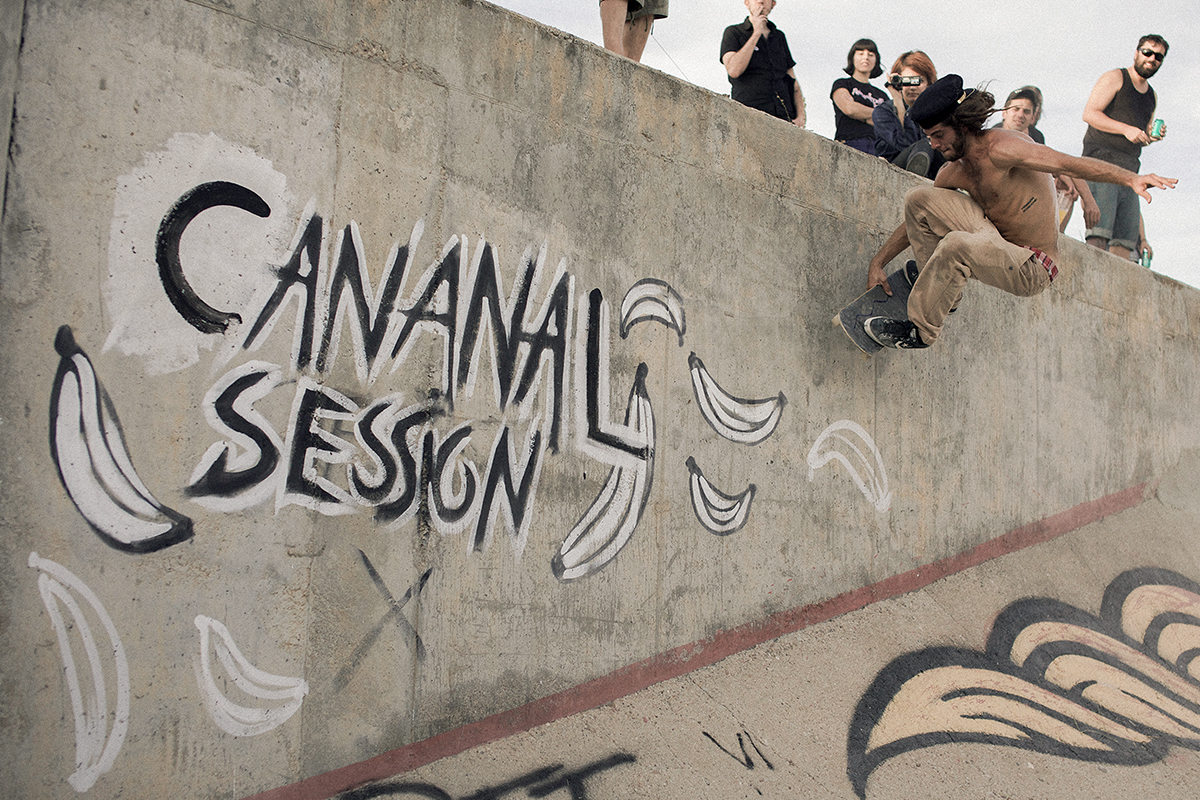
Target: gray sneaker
{"type": "Point", "coordinates": [918, 162]}
{"type": "Point", "coordinates": [896, 333]}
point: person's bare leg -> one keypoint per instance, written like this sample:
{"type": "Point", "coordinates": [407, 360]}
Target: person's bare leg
{"type": "Point", "coordinates": [636, 34]}
{"type": "Point", "coordinates": [1119, 252]}
{"type": "Point", "coordinates": [1097, 242]}
{"type": "Point", "coordinates": [612, 22]}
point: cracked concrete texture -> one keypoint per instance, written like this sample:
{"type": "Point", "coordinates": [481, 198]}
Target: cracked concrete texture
{"type": "Point", "coordinates": [774, 721]}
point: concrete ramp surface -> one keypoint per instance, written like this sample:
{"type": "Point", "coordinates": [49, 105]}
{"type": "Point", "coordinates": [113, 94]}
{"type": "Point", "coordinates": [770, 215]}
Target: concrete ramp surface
{"type": "Point", "coordinates": [408, 400]}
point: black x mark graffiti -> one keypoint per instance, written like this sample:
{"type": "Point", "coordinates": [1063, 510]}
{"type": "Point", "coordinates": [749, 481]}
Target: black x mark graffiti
{"type": "Point", "coordinates": [394, 614]}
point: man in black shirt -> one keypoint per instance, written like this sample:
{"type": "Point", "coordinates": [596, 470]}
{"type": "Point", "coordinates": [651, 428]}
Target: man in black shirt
{"type": "Point", "coordinates": [756, 56]}
{"type": "Point", "coordinates": [1119, 114]}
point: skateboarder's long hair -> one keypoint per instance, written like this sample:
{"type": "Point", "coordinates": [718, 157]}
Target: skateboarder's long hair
{"type": "Point", "coordinates": [973, 112]}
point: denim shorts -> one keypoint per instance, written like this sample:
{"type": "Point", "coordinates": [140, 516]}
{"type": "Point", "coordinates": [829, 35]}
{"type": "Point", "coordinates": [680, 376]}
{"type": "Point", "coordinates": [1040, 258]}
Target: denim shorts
{"type": "Point", "coordinates": [646, 8]}
{"type": "Point", "coordinates": [1120, 215]}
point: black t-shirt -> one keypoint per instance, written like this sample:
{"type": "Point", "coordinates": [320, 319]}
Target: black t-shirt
{"type": "Point", "coordinates": [765, 84]}
{"type": "Point", "coordinates": [865, 95]}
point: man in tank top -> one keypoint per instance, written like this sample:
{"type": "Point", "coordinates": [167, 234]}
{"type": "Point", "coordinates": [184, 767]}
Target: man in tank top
{"type": "Point", "coordinates": [1120, 115]}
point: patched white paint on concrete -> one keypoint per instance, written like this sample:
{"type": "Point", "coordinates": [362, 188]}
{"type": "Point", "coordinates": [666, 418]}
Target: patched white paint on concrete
{"type": "Point", "coordinates": [226, 252]}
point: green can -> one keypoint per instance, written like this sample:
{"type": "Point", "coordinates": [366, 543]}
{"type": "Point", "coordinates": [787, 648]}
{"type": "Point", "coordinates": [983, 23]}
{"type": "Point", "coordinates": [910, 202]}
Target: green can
{"type": "Point", "coordinates": [1156, 129]}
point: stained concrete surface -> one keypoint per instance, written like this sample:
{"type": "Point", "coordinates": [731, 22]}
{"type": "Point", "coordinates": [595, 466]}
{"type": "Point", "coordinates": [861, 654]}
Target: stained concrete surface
{"type": "Point", "coordinates": [462, 133]}
{"type": "Point", "coordinates": [789, 700]}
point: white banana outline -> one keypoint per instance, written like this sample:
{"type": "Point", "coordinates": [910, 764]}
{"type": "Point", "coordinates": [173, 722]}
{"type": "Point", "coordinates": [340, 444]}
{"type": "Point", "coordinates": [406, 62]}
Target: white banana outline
{"type": "Point", "coordinates": [608, 523]}
{"type": "Point", "coordinates": [653, 299]}
{"type": "Point", "coordinates": [874, 485]}
{"type": "Point", "coordinates": [739, 420]}
{"type": "Point", "coordinates": [93, 462]}
{"type": "Point", "coordinates": [722, 514]}
{"type": "Point", "coordinates": [231, 717]}
{"type": "Point", "coordinates": [96, 744]}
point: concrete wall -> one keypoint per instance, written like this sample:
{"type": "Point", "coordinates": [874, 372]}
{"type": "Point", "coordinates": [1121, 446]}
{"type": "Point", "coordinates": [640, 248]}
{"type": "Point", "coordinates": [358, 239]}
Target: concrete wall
{"type": "Point", "coordinates": [342, 529]}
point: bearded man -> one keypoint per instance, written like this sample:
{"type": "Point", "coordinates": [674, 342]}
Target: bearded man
{"type": "Point", "coordinates": [1002, 232]}
{"type": "Point", "coordinates": [1120, 114]}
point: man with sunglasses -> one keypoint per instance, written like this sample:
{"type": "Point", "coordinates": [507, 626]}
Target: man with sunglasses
{"type": "Point", "coordinates": [1120, 116]}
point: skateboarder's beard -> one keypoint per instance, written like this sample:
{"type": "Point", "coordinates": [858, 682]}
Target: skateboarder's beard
{"type": "Point", "coordinates": [957, 147]}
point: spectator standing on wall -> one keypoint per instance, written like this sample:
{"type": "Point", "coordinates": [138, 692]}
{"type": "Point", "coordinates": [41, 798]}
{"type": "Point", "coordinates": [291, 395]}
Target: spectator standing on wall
{"type": "Point", "coordinates": [626, 24]}
{"type": "Point", "coordinates": [854, 99]}
{"type": "Point", "coordinates": [898, 138]}
{"type": "Point", "coordinates": [1021, 111]}
{"type": "Point", "coordinates": [760, 65]}
{"type": "Point", "coordinates": [1120, 114]}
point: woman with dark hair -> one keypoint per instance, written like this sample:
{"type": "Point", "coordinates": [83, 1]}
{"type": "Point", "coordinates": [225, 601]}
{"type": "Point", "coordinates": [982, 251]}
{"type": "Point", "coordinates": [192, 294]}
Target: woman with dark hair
{"type": "Point", "coordinates": [854, 98]}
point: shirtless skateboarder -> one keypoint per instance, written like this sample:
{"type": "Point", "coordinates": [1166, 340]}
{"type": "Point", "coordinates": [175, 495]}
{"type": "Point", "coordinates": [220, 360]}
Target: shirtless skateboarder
{"type": "Point", "coordinates": [1005, 234]}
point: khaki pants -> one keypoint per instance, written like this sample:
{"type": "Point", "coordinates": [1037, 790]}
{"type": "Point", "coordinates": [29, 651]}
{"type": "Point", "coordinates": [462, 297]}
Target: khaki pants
{"type": "Point", "coordinates": [953, 241]}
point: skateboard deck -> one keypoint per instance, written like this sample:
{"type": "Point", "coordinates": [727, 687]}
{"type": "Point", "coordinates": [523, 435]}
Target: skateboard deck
{"type": "Point", "coordinates": [875, 303]}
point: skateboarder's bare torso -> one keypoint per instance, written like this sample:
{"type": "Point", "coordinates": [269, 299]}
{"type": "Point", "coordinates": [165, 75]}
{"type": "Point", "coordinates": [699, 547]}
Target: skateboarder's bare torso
{"type": "Point", "coordinates": [1017, 199]}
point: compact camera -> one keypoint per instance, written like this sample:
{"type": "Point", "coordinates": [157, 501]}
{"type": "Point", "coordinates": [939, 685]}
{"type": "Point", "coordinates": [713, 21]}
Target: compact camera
{"type": "Point", "coordinates": [900, 81]}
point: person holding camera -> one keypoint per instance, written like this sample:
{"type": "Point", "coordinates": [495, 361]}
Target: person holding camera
{"type": "Point", "coordinates": [898, 138]}
{"type": "Point", "coordinates": [854, 98]}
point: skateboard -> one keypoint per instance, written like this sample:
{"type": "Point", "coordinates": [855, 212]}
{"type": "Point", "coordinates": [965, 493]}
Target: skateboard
{"type": "Point", "coordinates": [874, 303]}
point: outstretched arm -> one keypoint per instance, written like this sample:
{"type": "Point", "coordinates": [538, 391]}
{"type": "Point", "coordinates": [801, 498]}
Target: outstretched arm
{"type": "Point", "coordinates": [1010, 152]}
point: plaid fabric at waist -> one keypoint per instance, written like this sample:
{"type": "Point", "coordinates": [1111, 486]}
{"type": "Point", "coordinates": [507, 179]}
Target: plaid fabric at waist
{"type": "Point", "coordinates": [1045, 260]}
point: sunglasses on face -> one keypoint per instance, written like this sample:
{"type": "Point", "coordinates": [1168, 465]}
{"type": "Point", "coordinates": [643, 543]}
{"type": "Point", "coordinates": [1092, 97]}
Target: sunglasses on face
{"type": "Point", "coordinates": [1153, 54]}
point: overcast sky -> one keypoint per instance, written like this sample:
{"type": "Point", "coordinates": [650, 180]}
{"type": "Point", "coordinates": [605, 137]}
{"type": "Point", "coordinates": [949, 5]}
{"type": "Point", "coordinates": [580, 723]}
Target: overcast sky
{"type": "Point", "coordinates": [1063, 49]}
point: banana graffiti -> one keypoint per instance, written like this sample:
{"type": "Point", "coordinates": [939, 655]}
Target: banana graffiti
{"type": "Point", "coordinates": [720, 513]}
{"type": "Point", "coordinates": [1118, 688]}
{"type": "Point", "coordinates": [281, 696]}
{"type": "Point", "coordinates": [93, 462]}
{"type": "Point", "coordinates": [654, 300]}
{"type": "Point", "coordinates": [608, 523]}
{"type": "Point", "coordinates": [99, 730]}
{"type": "Point", "coordinates": [849, 444]}
{"type": "Point", "coordinates": [737, 419]}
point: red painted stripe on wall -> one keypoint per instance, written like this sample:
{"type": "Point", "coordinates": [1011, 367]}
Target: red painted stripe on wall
{"type": "Point", "coordinates": [685, 659]}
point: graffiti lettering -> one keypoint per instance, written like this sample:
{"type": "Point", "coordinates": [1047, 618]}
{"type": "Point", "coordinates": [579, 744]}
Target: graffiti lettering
{"type": "Point", "coordinates": [198, 313]}
{"type": "Point", "coordinates": [241, 467]}
{"type": "Point", "coordinates": [541, 782]}
{"type": "Point", "coordinates": [745, 760]}
{"type": "Point", "coordinates": [396, 463]}
{"type": "Point", "coordinates": [394, 459]}
{"type": "Point", "coordinates": [439, 303]}
{"type": "Point", "coordinates": [339, 453]}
